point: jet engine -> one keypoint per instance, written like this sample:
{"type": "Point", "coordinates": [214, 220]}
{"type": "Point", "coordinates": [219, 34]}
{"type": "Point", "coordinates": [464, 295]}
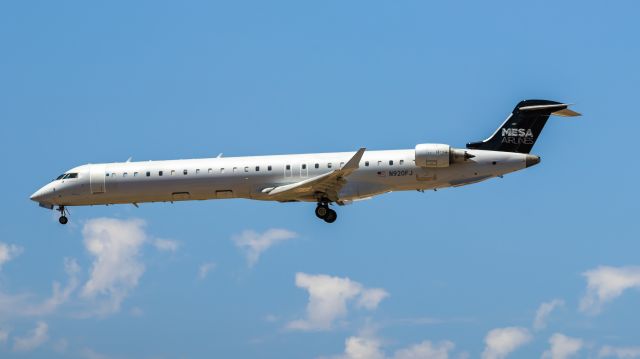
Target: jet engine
{"type": "Point", "coordinates": [435, 155]}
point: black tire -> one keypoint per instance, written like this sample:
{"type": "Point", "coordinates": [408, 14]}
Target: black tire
{"type": "Point", "coordinates": [322, 211]}
{"type": "Point", "coordinates": [63, 220]}
{"type": "Point", "coordinates": [331, 216]}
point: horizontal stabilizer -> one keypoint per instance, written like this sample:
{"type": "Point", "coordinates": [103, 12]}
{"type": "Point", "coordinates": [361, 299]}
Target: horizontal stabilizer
{"type": "Point", "coordinates": [561, 109]}
{"type": "Point", "coordinates": [566, 113]}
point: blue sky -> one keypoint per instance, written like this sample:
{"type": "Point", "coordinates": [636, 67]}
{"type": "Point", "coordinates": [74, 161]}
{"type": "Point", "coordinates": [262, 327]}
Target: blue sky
{"type": "Point", "coordinates": [458, 273]}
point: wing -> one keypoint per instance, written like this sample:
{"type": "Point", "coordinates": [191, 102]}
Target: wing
{"type": "Point", "coordinates": [325, 185]}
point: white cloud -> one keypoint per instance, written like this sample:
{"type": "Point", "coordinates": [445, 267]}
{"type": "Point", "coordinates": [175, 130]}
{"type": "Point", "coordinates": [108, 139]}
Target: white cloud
{"type": "Point", "coordinates": [4, 335]}
{"type": "Point", "coordinates": [8, 252]}
{"type": "Point", "coordinates": [540, 321]}
{"type": "Point", "coordinates": [254, 243]}
{"type": "Point", "coordinates": [23, 304]}
{"type": "Point", "coordinates": [562, 347]}
{"type": "Point", "coordinates": [328, 298]}
{"type": "Point", "coordinates": [116, 269]}
{"type": "Point", "coordinates": [619, 352]}
{"type": "Point", "coordinates": [166, 245]}
{"type": "Point", "coordinates": [367, 347]}
{"type": "Point", "coordinates": [36, 338]}
{"type": "Point", "coordinates": [425, 350]}
{"type": "Point", "coordinates": [115, 245]}
{"type": "Point", "coordinates": [501, 342]}
{"type": "Point", "coordinates": [607, 283]}
{"type": "Point", "coordinates": [205, 268]}
{"type": "Point", "coordinates": [362, 348]}
{"type": "Point", "coordinates": [370, 298]}
{"type": "Point", "coordinates": [60, 294]}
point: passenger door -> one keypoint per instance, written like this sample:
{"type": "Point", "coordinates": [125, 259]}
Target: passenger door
{"type": "Point", "coordinates": [97, 178]}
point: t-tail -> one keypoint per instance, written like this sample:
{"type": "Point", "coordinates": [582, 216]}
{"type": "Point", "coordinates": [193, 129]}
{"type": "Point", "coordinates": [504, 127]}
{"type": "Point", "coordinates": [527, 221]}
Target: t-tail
{"type": "Point", "coordinates": [522, 128]}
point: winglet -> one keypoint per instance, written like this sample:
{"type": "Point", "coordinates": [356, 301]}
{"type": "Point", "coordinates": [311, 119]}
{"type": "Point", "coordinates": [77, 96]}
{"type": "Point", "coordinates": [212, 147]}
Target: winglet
{"type": "Point", "coordinates": [354, 162]}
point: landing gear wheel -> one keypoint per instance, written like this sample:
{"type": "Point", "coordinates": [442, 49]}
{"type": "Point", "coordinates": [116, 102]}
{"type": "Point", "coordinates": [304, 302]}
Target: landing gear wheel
{"type": "Point", "coordinates": [331, 216]}
{"type": "Point", "coordinates": [63, 212]}
{"type": "Point", "coordinates": [322, 210]}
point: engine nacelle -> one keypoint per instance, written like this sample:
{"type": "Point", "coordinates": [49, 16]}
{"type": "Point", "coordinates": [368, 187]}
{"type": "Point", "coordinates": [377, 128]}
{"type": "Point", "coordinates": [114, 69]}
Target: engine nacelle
{"type": "Point", "coordinates": [432, 155]}
{"type": "Point", "coordinates": [435, 155]}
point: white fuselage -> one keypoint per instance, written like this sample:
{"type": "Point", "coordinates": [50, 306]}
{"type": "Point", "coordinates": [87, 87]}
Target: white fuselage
{"type": "Point", "coordinates": [252, 177]}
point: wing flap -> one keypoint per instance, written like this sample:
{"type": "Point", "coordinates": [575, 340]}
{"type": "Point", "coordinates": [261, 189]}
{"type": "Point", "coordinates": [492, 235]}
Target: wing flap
{"type": "Point", "coordinates": [328, 183]}
{"type": "Point", "coordinates": [301, 186]}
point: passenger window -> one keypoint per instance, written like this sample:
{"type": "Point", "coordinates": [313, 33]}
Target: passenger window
{"type": "Point", "coordinates": [159, 173]}
{"type": "Point", "coordinates": [304, 166]}
{"type": "Point", "coordinates": [257, 168]}
{"type": "Point", "coordinates": [222, 170]}
{"type": "Point", "coordinates": [366, 163]}
{"type": "Point", "coordinates": [269, 168]}
{"type": "Point", "coordinates": [246, 169]}
{"type": "Point", "coordinates": [113, 174]}
{"type": "Point", "coordinates": [184, 172]}
{"type": "Point", "coordinates": [197, 170]}
{"type": "Point", "coordinates": [401, 162]}
{"type": "Point", "coordinates": [105, 175]}
{"type": "Point", "coordinates": [317, 165]}
{"type": "Point", "coordinates": [210, 170]}
{"type": "Point", "coordinates": [329, 165]}
{"type": "Point", "coordinates": [173, 172]}
{"type": "Point", "coordinates": [124, 174]}
{"type": "Point", "coordinates": [379, 163]}
{"type": "Point", "coordinates": [135, 174]}
{"type": "Point", "coordinates": [148, 174]}
{"type": "Point", "coordinates": [390, 162]}
{"type": "Point", "coordinates": [288, 167]}
{"type": "Point", "coordinates": [235, 169]}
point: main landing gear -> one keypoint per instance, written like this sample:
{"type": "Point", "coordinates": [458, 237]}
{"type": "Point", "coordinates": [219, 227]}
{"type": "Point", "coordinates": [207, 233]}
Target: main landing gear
{"type": "Point", "coordinates": [63, 212]}
{"type": "Point", "coordinates": [324, 212]}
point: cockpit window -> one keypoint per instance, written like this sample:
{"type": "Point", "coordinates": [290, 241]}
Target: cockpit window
{"type": "Point", "coordinates": [67, 176]}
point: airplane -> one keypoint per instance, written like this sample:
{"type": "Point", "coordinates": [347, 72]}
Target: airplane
{"type": "Point", "coordinates": [324, 178]}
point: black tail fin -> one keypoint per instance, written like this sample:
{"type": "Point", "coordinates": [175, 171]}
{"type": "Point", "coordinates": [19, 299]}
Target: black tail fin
{"type": "Point", "coordinates": [522, 128]}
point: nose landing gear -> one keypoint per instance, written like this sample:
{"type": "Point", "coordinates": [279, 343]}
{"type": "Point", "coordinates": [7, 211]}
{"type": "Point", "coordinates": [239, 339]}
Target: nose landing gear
{"type": "Point", "coordinates": [63, 212]}
{"type": "Point", "coordinates": [325, 213]}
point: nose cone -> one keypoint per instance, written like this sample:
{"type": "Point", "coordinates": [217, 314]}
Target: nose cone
{"type": "Point", "coordinates": [37, 195]}
{"type": "Point", "coordinates": [41, 195]}
{"type": "Point", "coordinates": [532, 160]}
